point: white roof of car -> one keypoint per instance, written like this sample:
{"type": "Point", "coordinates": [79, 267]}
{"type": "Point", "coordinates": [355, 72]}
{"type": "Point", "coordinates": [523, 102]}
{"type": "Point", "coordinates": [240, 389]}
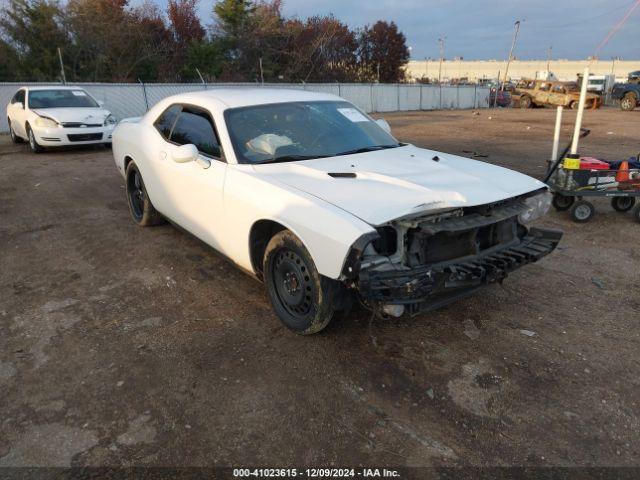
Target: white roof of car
{"type": "Point", "coordinates": [53, 87]}
{"type": "Point", "coordinates": [242, 97]}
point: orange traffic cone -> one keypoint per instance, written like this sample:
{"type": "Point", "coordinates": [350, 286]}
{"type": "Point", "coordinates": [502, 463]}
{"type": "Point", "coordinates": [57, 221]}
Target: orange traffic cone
{"type": "Point", "coordinates": [623, 172]}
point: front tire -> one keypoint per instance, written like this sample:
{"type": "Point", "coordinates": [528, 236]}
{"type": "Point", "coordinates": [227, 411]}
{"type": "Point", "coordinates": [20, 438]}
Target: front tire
{"type": "Point", "coordinates": [142, 210]}
{"type": "Point", "coordinates": [33, 143]}
{"type": "Point", "coordinates": [300, 296]}
{"type": "Point", "coordinates": [14, 138]}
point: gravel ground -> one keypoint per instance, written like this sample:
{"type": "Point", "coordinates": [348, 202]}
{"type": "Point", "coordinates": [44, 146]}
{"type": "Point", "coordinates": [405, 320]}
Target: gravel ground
{"type": "Point", "coordinates": [129, 346]}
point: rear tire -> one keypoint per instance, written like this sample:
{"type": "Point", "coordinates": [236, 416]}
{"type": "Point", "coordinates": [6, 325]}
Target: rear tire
{"type": "Point", "coordinates": [300, 296]}
{"type": "Point", "coordinates": [14, 138]}
{"type": "Point", "coordinates": [562, 202]}
{"type": "Point", "coordinates": [33, 143]}
{"type": "Point", "coordinates": [142, 210]}
{"type": "Point", "coordinates": [623, 204]}
{"type": "Point", "coordinates": [582, 211]}
{"type": "Point", "coordinates": [574, 105]}
{"type": "Point", "coordinates": [628, 102]}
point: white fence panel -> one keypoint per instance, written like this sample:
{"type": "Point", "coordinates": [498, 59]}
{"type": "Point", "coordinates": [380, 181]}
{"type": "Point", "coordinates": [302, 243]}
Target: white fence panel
{"type": "Point", "coordinates": [409, 97]}
{"type": "Point", "coordinates": [359, 95]}
{"type": "Point", "coordinates": [430, 97]}
{"type": "Point", "coordinates": [332, 88]}
{"type": "Point", "coordinates": [466, 96]}
{"type": "Point", "coordinates": [449, 97]}
{"type": "Point", "coordinates": [385, 98]}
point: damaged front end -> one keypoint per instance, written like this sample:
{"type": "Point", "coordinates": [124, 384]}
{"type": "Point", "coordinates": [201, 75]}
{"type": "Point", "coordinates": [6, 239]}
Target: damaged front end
{"type": "Point", "coordinates": [420, 263]}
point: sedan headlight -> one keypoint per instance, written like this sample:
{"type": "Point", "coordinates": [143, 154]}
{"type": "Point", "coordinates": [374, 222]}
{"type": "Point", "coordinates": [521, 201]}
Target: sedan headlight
{"type": "Point", "coordinates": [46, 122]}
{"type": "Point", "coordinates": [110, 120]}
{"type": "Point", "coordinates": [538, 205]}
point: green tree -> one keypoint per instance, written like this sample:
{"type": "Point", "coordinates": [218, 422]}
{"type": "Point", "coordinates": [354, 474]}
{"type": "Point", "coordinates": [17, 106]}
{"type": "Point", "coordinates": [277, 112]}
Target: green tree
{"type": "Point", "coordinates": [9, 63]}
{"type": "Point", "coordinates": [34, 29]}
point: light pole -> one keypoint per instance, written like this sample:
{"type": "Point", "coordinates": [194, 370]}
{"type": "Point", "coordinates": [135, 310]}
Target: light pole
{"type": "Point", "coordinates": [549, 58]}
{"type": "Point", "coordinates": [441, 42]}
{"type": "Point", "coordinates": [513, 45]}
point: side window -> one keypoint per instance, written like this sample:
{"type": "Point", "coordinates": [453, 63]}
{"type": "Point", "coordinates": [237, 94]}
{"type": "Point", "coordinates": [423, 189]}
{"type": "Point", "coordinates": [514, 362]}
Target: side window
{"type": "Point", "coordinates": [195, 126]}
{"type": "Point", "coordinates": [165, 121]}
{"type": "Point", "coordinates": [18, 97]}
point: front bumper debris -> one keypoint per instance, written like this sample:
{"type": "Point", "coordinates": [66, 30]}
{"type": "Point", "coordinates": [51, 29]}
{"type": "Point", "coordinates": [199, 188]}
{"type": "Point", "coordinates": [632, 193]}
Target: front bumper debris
{"type": "Point", "coordinates": [432, 286]}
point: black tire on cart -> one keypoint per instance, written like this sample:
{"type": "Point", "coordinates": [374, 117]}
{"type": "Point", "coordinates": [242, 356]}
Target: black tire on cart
{"type": "Point", "coordinates": [562, 202]}
{"type": "Point", "coordinates": [582, 211]}
{"type": "Point", "coordinates": [636, 213]}
{"type": "Point", "coordinates": [623, 204]}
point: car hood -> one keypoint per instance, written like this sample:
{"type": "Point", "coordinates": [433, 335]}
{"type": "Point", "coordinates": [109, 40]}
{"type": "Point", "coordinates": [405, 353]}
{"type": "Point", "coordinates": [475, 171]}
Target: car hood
{"type": "Point", "coordinates": [77, 114]}
{"type": "Point", "coordinates": [397, 182]}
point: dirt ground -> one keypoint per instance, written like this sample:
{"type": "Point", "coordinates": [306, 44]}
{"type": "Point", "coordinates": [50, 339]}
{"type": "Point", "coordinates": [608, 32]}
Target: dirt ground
{"type": "Point", "coordinates": [128, 346]}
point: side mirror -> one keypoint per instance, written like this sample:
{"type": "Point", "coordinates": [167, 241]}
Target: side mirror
{"type": "Point", "coordinates": [100, 103]}
{"type": "Point", "coordinates": [20, 104]}
{"type": "Point", "coordinates": [185, 153]}
{"type": "Point", "coordinates": [384, 124]}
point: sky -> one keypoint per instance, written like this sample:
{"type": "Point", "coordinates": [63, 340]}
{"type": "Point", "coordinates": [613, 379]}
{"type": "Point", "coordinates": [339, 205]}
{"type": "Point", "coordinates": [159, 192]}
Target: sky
{"type": "Point", "coordinates": [483, 29]}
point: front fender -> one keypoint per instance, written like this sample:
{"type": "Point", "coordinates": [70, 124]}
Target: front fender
{"type": "Point", "coordinates": [327, 231]}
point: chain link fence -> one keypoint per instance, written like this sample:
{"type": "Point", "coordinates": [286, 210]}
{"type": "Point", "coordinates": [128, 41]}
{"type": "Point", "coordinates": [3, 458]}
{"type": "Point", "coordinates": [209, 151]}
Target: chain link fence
{"type": "Point", "coordinates": [134, 99]}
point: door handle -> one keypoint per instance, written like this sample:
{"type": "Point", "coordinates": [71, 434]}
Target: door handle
{"type": "Point", "coordinates": [203, 162]}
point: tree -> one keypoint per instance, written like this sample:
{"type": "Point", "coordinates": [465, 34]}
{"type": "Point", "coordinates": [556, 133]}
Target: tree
{"type": "Point", "coordinates": [9, 63]}
{"type": "Point", "coordinates": [383, 52]}
{"type": "Point", "coordinates": [34, 29]}
{"type": "Point", "coordinates": [321, 49]}
{"type": "Point", "coordinates": [114, 43]}
{"type": "Point", "coordinates": [184, 23]}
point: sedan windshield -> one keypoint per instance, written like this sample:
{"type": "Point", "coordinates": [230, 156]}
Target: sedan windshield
{"type": "Point", "coordinates": [60, 99]}
{"type": "Point", "coordinates": [284, 132]}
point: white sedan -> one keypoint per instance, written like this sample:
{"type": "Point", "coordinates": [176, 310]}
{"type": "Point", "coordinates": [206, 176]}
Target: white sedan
{"type": "Point", "coordinates": [57, 116]}
{"type": "Point", "coordinates": [313, 197]}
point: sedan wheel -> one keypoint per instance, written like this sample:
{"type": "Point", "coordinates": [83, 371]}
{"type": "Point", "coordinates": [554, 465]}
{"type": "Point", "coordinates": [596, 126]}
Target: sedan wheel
{"type": "Point", "coordinates": [300, 296]}
{"type": "Point", "coordinates": [33, 143]}
{"type": "Point", "coordinates": [140, 206]}
{"type": "Point", "coordinates": [14, 138]}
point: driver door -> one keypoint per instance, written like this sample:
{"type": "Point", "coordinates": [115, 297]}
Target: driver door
{"type": "Point", "coordinates": [192, 192]}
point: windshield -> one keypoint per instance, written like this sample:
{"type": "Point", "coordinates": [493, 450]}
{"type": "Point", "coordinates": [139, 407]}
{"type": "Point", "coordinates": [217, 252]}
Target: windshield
{"type": "Point", "coordinates": [60, 99]}
{"type": "Point", "coordinates": [302, 130]}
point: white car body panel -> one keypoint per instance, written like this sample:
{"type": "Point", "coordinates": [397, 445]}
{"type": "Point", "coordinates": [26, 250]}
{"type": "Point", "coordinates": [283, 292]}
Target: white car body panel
{"type": "Point", "coordinates": [58, 136]}
{"type": "Point", "coordinates": [222, 203]}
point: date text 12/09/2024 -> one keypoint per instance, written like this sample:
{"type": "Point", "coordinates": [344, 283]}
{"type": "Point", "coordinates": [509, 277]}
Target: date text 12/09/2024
{"type": "Point", "coordinates": [315, 473]}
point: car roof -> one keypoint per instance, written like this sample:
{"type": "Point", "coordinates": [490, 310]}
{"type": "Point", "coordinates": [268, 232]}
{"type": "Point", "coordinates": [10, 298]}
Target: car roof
{"type": "Point", "coordinates": [247, 96]}
{"type": "Point", "coordinates": [52, 87]}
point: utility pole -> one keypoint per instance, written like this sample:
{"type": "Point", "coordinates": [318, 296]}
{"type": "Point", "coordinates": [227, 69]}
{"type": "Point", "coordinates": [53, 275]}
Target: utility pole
{"type": "Point", "coordinates": [64, 78]}
{"type": "Point", "coordinates": [441, 42]}
{"type": "Point", "coordinates": [513, 45]}
{"type": "Point", "coordinates": [378, 72]}
{"type": "Point", "coordinates": [549, 57]}
{"type": "Point", "coordinates": [426, 68]}
{"type": "Point", "coordinates": [261, 73]}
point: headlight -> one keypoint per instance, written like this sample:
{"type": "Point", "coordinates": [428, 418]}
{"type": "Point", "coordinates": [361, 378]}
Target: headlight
{"type": "Point", "coordinates": [110, 120]}
{"type": "Point", "coordinates": [538, 205]}
{"type": "Point", "coordinates": [46, 122]}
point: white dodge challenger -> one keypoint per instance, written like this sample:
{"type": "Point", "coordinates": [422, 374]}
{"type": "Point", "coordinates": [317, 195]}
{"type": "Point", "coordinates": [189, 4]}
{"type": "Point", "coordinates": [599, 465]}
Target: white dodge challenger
{"type": "Point", "coordinates": [310, 195]}
{"type": "Point", "coordinates": [57, 116]}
